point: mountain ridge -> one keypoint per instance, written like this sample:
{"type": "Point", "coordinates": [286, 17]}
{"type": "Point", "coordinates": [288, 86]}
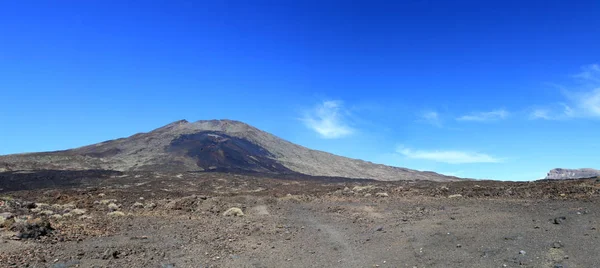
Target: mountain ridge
{"type": "Point", "coordinates": [211, 145]}
{"type": "Point", "coordinates": [565, 173]}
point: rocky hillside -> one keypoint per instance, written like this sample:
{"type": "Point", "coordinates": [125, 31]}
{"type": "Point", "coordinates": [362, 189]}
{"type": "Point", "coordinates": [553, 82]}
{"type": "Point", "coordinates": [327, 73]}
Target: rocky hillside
{"type": "Point", "coordinates": [210, 145]}
{"type": "Point", "coordinates": [562, 174]}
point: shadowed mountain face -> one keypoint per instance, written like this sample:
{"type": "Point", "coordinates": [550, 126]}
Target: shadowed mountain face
{"type": "Point", "coordinates": [210, 145]}
{"type": "Point", "coordinates": [214, 150]}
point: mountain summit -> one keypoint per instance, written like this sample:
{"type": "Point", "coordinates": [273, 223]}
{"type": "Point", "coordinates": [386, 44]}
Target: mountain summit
{"type": "Point", "coordinates": [221, 145]}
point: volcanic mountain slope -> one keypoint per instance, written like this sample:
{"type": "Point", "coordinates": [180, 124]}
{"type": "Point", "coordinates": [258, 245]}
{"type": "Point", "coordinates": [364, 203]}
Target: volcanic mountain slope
{"type": "Point", "coordinates": [564, 174]}
{"type": "Point", "coordinates": [210, 145]}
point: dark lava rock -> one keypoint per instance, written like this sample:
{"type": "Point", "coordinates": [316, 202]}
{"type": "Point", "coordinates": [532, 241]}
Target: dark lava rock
{"type": "Point", "coordinates": [110, 253]}
{"type": "Point", "coordinates": [559, 220]}
{"type": "Point", "coordinates": [32, 229]}
{"type": "Point", "coordinates": [557, 244]}
{"type": "Point", "coordinates": [29, 205]}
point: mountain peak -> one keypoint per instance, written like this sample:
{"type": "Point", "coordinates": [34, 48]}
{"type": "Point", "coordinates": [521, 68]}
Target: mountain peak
{"type": "Point", "coordinates": [212, 145]}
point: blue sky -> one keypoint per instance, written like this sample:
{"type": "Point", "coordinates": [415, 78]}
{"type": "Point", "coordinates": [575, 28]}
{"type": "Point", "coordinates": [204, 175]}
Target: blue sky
{"type": "Point", "coordinates": [483, 89]}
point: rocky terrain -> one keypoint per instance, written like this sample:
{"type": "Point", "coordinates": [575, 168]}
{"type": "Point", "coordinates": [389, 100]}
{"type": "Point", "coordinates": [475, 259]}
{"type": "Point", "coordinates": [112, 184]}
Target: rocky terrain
{"type": "Point", "coordinates": [221, 193]}
{"type": "Point", "coordinates": [100, 218]}
{"type": "Point", "coordinates": [564, 174]}
{"type": "Point", "coordinates": [217, 145]}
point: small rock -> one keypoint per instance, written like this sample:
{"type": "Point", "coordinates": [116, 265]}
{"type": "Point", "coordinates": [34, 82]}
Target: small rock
{"type": "Point", "coordinates": [113, 207]}
{"type": "Point", "coordinates": [106, 201]}
{"type": "Point", "coordinates": [379, 229]}
{"type": "Point", "coordinates": [455, 195]}
{"type": "Point", "coordinates": [116, 214]}
{"type": "Point", "coordinates": [557, 244]}
{"type": "Point", "coordinates": [559, 220]}
{"type": "Point", "coordinates": [4, 217]}
{"type": "Point", "coordinates": [77, 211]}
{"type": "Point", "coordinates": [382, 194]}
{"type": "Point", "coordinates": [41, 205]}
{"type": "Point", "coordinates": [137, 205]}
{"type": "Point", "coordinates": [150, 206]}
{"type": "Point", "coordinates": [233, 212]}
{"type": "Point", "coordinates": [29, 205]}
{"type": "Point", "coordinates": [522, 252]}
{"type": "Point", "coordinates": [46, 212]}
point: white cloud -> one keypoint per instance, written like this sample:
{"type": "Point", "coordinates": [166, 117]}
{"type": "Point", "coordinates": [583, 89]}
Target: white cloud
{"type": "Point", "coordinates": [581, 103]}
{"type": "Point", "coordinates": [450, 157]}
{"type": "Point", "coordinates": [559, 112]}
{"type": "Point", "coordinates": [589, 73]}
{"type": "Point", "coordinates": [589, 102]}
{"type": "Point", "coordinates": [540, 114]}
{"type": "Point", "coordinates": [485, 116]}
{"type": "Point", "coordinates": [432, 118]}
{"type": "Point", "coordinates": [328, 119]}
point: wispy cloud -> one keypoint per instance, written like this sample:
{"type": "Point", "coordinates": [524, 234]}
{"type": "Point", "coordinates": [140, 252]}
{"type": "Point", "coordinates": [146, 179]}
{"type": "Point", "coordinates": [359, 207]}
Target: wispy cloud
{"type": "Point", "coordinates": [432, 118]}
{"type": "Point", "coordinates": [558, 112]}
{"type": "Point", "coordinates": [589, 73]}
{"type": "Point", "coordinates": [328, 119]}
{"type": "Point", "coordinates": [485, 116]}
{"type": "Point", "coordinates": [581, 102]}
{"type": "Point", "coordinates": [540, 114]}
{"type": "Point", "coordinates": [450, 157]}
{"type": "Point", "coordinates": [589, 102]}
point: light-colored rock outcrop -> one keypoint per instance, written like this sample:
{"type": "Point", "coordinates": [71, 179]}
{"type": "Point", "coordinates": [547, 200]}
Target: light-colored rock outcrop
{"type": "Point", "coordinates": [563, 174]}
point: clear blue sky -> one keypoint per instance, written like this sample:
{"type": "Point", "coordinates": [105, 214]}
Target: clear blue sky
{"type": "Point", "coordinates": [483, 89]}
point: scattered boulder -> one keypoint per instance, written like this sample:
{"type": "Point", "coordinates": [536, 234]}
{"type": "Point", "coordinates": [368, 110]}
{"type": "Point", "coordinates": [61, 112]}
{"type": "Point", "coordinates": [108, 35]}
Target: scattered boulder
{"type": "Point", "coordinates": [234, 212]}
{"type": "Point", "coordinates": [559, 220]}
{"type": "Point", "coordinates": [109, 253]}
{"type": "Point", "coordinates": [557, 245]}
{"type": "Point", "coordinates": [113, 207]}
{"type": "Point", "coordinates": [4, 217]}
{"type": "Point", "coordinates": [32, 229]}
{"type": "Point", "coordinates": [382, 194]}
{"type": "Point", "coordinates": [116, 214]}
{"type": "Point", "coordinates": [29, 205]}
{"type": "Point", "coordinates": [78, 211]}
{"type": "Point", "coordinates": [41, 205]}
{"type": "Point", "coordinates": [137, 205]}
{"type": "Point", "coordinates": [46, 212]}
{"type": "Point", "coordinates": [106, 201]}
{"type": "Point", "coordinates": [188, 203]}
{"type": "Point", "coordinates": [150, 206]}
{"type": "Point", "coordinates": [359, 189]}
